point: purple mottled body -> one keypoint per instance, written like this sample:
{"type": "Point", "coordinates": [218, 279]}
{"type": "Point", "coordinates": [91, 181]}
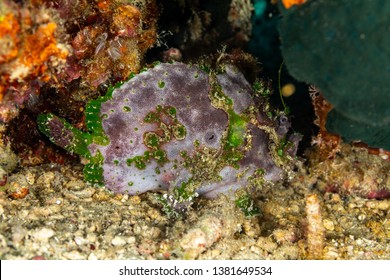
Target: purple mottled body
{"type": "Point", "coordinates": [171, 125]}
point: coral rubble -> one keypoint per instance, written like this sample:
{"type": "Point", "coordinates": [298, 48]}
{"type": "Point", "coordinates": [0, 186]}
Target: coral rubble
{"type": "Point", "coordinates": [352, 171]}
{"type": "Point", "coordinates": [339, 167]}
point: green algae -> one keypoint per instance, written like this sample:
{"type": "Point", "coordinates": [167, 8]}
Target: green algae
{"type": "Point", "coordinates": [247, 205]}
{"type": "Point", "coordinates": [237, 129]}
{"type": "Point", "coordinates": [141, 161]}
{"type": "Point", "coordinates": [93, 171]}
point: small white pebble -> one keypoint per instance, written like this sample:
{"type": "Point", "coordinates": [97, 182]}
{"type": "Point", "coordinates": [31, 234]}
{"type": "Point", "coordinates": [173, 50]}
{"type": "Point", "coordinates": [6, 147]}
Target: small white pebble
{"type": "Point", "coordinates": [328, 224]}
{"type": "Point", "coordinates": [125, 198]}
{"type": "Point", "coordinates": [359, 242]}
{"type": "Point", "coordinates": [43, 234]}
{"type": "Point", "coordinates": [74, 255]}
{"type": "Point", "coordinates": [131, 240]}
{"type": "Point", "coordinates": [118, 241]}
{"type": "Point", "coordinates": [91, 237]}
{"type": "Point", "coordinates": [331, 254]}
{"type": "Point", "coordinates": [80, 240]}
{"type": "Point", "coordinates": [92, 257]}
{"type": "Point", "coordinates": [361, 217]}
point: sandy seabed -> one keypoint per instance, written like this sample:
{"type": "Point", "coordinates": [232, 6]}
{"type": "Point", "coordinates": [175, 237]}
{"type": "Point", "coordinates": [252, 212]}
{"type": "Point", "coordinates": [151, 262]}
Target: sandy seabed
{"type": "Point", "coordinates": [62, 217]}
